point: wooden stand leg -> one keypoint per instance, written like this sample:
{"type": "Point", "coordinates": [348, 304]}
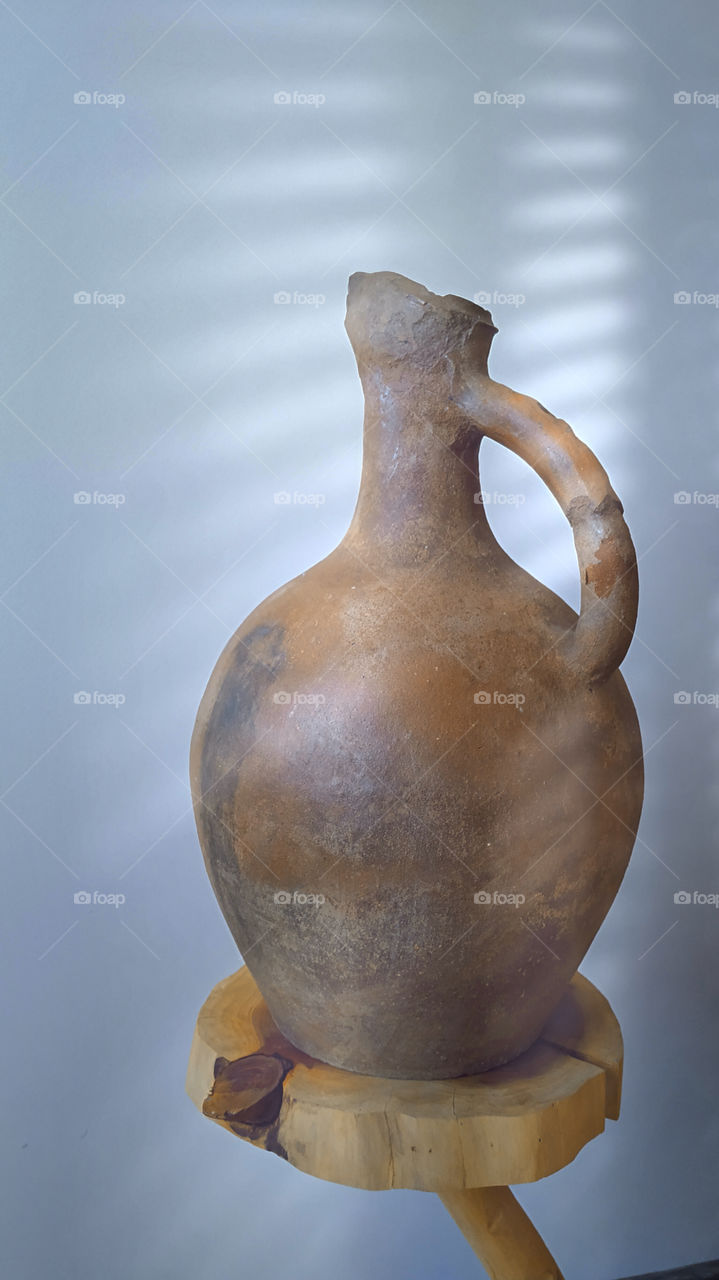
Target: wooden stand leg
{"type": "Point", "coordinates": [501, 1234]}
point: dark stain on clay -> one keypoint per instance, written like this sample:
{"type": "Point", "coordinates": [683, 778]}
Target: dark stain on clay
{"type": "Point", "coordinates": [258, 660]}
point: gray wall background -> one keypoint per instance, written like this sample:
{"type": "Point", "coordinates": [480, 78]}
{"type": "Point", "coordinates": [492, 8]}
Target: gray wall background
{"type": "Point", "coordinates": [196, 399]}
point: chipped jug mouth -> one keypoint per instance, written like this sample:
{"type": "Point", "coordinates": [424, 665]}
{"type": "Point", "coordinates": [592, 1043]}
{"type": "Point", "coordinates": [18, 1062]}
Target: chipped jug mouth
{"type": "Point", "coordinates": [392, 316]}
{"type": "Point", "coordinates": [401, 291]}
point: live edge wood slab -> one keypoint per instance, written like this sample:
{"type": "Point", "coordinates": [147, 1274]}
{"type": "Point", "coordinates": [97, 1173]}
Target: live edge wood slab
{"type": "Point", "coordinates": [465, 1139]}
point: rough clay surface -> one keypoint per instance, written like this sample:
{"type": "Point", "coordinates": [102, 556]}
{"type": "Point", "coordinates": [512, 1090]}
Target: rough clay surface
{"type": "Point", "coordinates": [398, 794]}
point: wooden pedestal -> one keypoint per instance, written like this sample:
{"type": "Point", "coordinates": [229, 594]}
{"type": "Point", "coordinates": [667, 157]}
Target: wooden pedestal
{"type": "Point", "coordinates": [465, 1139]}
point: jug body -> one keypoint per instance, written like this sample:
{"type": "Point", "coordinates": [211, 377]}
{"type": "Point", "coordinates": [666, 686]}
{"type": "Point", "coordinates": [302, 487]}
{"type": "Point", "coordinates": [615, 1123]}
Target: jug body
{"type": "Point", "coordinates": [417, 772]}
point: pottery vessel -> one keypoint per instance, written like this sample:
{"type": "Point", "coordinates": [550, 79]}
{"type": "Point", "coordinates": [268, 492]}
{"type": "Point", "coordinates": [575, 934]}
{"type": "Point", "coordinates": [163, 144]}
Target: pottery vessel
{"type": "Point", "coordinates": [417, 773]}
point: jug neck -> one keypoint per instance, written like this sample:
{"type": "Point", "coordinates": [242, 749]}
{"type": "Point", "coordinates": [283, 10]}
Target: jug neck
{"type": "Point", "coordinates": [420, 473]}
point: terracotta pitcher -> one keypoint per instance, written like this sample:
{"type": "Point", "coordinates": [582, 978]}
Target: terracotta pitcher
{"type": "Point", "coordinates": [417, 773]}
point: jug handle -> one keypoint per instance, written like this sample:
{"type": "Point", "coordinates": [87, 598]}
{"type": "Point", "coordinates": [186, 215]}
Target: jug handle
{"type": "Point", "coordinates": [596, 644]}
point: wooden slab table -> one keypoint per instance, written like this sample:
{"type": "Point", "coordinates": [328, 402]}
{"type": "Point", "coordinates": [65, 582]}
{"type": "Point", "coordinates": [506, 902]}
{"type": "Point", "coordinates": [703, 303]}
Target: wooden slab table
{"type": "Point", "coordinates": [465, 1139]}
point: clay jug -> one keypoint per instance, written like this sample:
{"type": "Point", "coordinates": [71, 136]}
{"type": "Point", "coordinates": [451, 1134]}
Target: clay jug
{"type": "Point", "coordinates": [417, 772]}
